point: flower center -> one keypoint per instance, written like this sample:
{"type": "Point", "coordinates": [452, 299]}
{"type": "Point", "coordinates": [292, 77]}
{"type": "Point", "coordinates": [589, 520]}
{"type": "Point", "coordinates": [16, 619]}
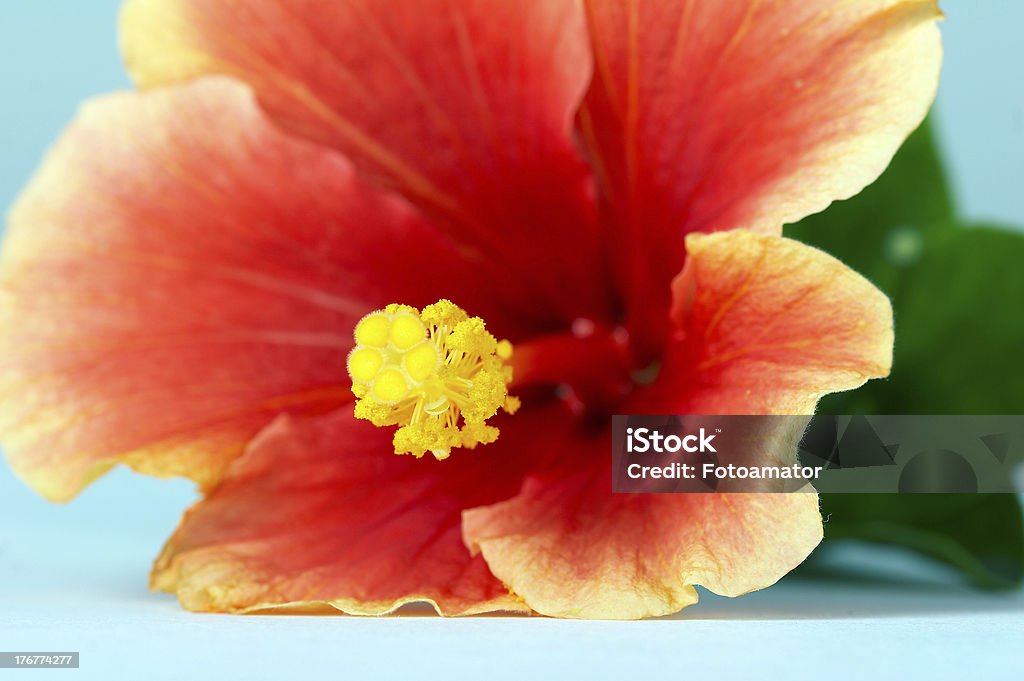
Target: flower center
{"type": "Point", "coordinates": [437, 373]}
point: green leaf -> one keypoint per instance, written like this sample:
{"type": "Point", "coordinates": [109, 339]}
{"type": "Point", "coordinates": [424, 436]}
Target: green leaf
{"type": "Point", "coordinates": [959, 330]}
{"type": "Point", "coordinates": [981, 535]}
{"type": "Point", "coordinates": [960, 327]}
{"type": "Point", "coordinates": [959, 343]}
{"type": "Point", "coordinates": [957, 295]}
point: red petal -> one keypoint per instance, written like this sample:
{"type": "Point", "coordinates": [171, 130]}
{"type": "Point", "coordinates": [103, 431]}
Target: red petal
{"type": "Point", "coordinates": [708, 116]}
{"type": "Point", "coordinates": [322, 513]}
{"type": "Point", "coordinates": [571, 548]}
{"type": "Point", "coordinates": [768, 325]}
{"type": "Point", "coordinates": [465, 106]}
{"type": "Point", "coordinates": [178, 273]}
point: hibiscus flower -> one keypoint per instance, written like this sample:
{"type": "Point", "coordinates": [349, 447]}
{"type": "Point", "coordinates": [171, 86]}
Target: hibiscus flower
{"type": "Point", "coordinates": [603, 184]}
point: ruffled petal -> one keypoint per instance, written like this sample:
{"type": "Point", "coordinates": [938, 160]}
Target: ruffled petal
{"type": "Point", "coordinates": [707, 116]}
{"type": "Point", "coordinates": [571, 548]}
{"type": "Point", "coordinates": [322, 513]}
{"type": "Point", "coordinates": [464, 106]}
{"type": "Point", "coordinates": [180, 271]}
{"type": "Point", "coordinates": [766, 326]}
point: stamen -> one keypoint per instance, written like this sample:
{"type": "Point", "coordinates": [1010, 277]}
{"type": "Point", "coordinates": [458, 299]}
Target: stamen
{"type": "Point", "coordinates": [437, 373]}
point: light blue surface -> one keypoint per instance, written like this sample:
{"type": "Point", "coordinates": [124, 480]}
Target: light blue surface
{"type": "Point", "coordinates": [74, 577]}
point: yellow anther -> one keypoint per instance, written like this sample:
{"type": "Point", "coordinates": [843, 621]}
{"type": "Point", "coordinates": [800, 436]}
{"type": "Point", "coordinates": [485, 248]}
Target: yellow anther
{"type": "Point", "coordinates": [373, 330]}
{"type": "Point", "coordinates": [438, 374]}
{"type": "Point", "coordinates": [389, 386]}
{"type": "Point", "coordinates": [406, 331]}
{"type": "Point", "coordinates": [364, 363]}
{"type": "Point", "coordinates": [420, 361]}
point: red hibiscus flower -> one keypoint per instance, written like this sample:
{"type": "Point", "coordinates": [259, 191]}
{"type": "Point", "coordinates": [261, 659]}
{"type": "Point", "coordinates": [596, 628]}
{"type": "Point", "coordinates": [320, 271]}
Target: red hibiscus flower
{"type": "Point", "coordinates": [604, 183]}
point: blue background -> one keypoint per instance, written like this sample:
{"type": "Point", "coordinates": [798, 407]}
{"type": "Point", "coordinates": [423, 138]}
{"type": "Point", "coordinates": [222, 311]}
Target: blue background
{"type": "Point", "coordinates": [74, 577]}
